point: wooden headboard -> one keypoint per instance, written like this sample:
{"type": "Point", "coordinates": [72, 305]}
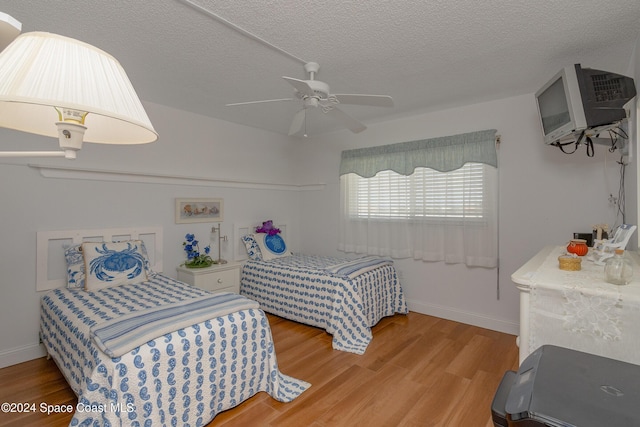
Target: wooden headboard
{"type": "Point", "coordinates": [51, 270]}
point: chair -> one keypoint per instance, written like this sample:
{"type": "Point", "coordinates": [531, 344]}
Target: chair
{"type": "Point", "coordinates": [605, 248]}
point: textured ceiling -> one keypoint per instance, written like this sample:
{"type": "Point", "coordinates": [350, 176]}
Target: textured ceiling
{"type": "Point", "coordinates": [427, 55]}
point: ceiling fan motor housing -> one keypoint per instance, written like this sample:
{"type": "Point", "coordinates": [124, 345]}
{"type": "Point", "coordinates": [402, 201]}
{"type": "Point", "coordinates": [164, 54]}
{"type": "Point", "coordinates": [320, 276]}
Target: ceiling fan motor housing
{"type": "Point", "coordinates": [321, 89]}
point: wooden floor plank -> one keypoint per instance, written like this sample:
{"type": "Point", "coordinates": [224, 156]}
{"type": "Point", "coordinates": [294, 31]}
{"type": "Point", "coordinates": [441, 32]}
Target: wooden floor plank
{"type": "Point", "coordinates": [442, 398]}
{"type": "Point", "coordinates": [419, 370]}
{"type": "Point", "coordinates": [479, 394]}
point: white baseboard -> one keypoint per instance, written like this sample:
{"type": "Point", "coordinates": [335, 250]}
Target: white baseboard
{"type": "Point", "coordinates": [469, 318]}
{"type": "Point", "coordinates": [16, 355]}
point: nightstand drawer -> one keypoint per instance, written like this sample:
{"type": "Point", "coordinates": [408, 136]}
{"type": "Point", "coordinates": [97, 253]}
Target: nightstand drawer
{"type": "Point", "coordinates": [224, 277]}
{"type": "Point", "coordinates": [220, 280]}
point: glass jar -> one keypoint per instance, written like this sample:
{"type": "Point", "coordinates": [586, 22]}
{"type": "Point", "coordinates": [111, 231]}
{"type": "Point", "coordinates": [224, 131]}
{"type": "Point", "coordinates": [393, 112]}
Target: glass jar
{"type": "Point", "coordinates": [618, 269]}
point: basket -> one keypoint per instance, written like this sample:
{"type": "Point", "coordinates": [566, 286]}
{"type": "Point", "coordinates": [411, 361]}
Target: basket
{"type": "Point", "coordinates": [570, 263]}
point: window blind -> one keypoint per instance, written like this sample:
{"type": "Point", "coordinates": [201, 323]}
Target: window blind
{"type": "Point", "coordinates": [426, 194]}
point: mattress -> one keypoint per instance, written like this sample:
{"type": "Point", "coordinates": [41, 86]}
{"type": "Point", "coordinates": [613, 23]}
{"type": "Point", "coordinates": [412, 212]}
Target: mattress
{"type": "Point", "coordinates": [302, 288]}
{"type": "Point", "coordinates": [184, 377]}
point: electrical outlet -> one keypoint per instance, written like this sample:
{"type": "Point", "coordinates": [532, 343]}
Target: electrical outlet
{"type": "Point", "coordinates": [613, 201]}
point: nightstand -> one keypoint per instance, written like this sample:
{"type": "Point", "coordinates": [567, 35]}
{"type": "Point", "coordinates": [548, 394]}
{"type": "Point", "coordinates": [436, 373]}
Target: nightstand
{"type": "Point", "coordinates": [217, 278]}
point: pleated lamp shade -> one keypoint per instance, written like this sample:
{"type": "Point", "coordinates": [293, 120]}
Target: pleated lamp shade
{"type": "Point", "coordinates": [47, 78]}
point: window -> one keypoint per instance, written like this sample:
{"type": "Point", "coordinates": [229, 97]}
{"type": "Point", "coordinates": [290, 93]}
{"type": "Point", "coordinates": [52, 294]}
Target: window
{"type": "Point", "coordinates": [427, 194]}
{"type": "Point", "coordinates": [433, 199]}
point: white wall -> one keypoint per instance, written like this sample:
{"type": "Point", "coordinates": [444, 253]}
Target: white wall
{"type": "Point", "coordinates": [545, 196]}
{"type": "Point", "coordinates": [189, 145]}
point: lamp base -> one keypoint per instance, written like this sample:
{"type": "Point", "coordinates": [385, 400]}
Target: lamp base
{"type": "Point", "coordinates": [70, 135]}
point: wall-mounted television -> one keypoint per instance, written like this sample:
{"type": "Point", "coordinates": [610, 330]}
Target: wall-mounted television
{"type": "Point", "coordinates": [577, 98]}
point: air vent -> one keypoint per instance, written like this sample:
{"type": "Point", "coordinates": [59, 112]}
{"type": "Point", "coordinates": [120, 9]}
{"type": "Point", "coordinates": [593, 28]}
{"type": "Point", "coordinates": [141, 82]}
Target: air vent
{"type": "Point", "coordinates": [606, 88]}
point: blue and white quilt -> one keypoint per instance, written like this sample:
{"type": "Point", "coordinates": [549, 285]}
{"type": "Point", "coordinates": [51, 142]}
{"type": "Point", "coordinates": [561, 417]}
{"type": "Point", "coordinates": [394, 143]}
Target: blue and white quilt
{"type": "Point", "coordinates": [184, 377]}
{"type": "Point", "coordinates": [315, 290]}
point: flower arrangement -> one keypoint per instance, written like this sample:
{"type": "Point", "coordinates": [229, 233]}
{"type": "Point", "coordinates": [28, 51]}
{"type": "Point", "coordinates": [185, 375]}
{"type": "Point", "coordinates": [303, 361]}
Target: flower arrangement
{"type": "Point", "coordinates": [195, 259]}
{"type": "Point", "coordinates": [268, 228]}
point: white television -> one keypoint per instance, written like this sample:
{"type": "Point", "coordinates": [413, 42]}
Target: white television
{"type": "Point", "coordinates": [577, 99]}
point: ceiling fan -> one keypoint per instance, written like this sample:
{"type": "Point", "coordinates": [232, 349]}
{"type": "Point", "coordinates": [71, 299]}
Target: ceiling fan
{"type": "Point", "coordinates": [314, 93]}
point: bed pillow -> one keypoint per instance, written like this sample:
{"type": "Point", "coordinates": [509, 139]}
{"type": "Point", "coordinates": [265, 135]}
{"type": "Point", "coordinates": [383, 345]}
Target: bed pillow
{"type": "Point", "coordinates": [75, 266]}
{"type": "Point", "coordinates": [271, 247]}
{"type": "Point", "coordinates": [147, 263]}
{"type": "Point", "coordinates": [114, 263]}
{"type": "Point", "coordinates": [253, 250]}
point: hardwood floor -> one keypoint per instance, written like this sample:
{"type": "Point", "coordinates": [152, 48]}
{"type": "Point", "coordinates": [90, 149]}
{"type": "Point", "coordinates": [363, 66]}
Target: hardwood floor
{"type": "Point", "coordinates": [418, 371]}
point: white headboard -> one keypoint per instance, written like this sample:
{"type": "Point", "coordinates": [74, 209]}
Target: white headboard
{"type": "Point", "coordinates": [240, 230]}
{"type": "Point", "coordinates": [51, 270]}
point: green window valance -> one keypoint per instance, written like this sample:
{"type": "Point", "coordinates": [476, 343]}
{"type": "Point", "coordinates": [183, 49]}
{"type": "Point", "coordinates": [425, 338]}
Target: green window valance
{"type": "Point", "coordinates": [443, 154]}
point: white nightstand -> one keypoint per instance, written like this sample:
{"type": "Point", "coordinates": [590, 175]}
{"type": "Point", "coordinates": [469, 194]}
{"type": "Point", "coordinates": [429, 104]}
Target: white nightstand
{"type": "Point", "coordinates": [219, 277]}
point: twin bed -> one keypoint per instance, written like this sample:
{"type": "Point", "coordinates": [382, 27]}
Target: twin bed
{"type": "Point", "coordinates": [345, 297]}
{"type": "Point", "coordinates": [307, 289]}
{"type": "Point", "coordinates": [184, 375]}
{"type": "Point", "coordinates": [139, 347]}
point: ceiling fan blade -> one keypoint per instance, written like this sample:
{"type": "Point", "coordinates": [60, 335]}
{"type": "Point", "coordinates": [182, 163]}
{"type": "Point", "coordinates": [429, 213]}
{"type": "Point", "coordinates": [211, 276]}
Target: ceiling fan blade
{"type": "Point", "coordinates": [359, 99]}
{"type": "Point", "coordinates": [300, 85]}
{"type": "Point", "coordinates": [259, 102]}
{"type": "Point", "coordinates": [297, 124]}
{"type": "Point", "coordinates": [352, 124]}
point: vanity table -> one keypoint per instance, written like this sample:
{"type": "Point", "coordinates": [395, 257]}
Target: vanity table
{"type": "Point", "coordinates": [578, 309]}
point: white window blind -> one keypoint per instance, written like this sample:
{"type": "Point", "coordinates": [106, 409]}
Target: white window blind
{"type": "Point", "coordinates": [426, 194]}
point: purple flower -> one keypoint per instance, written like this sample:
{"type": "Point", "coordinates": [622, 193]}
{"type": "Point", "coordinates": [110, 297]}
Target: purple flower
{"type": "Point", "coordinates": [268, 228]}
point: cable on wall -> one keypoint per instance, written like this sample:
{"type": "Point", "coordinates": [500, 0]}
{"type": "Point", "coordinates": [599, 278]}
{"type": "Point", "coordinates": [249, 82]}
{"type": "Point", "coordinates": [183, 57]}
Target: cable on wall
{"type": "Point", "coordinates": [620, 203]}
{"type": "Point", "coordinates": [615, 134]}
{"type": "Point", "coordinates": [498, 142]}
{"type": "Point", "coordinates": [239, 29]}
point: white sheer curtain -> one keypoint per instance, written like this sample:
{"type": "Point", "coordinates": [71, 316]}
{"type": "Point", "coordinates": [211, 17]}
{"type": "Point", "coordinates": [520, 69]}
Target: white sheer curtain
{"type": "Point", "coordinates": [434, 200]}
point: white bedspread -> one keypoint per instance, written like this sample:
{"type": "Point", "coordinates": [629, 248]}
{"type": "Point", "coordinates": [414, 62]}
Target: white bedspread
{"type": "Point", "coordinates": [351, 269]}
{"type": "Point", "coordinates": [182, 378]}
{"type": "Point", "coordinates": [122, 334]}
{"type": "Point", "coordinates": [298, 288]}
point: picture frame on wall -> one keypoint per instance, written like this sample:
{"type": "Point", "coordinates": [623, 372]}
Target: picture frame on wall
{"type": "Point", "coordinates": [192, 210]}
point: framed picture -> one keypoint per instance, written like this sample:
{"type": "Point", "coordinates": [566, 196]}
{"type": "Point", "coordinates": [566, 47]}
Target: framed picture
{"type": "Point", "coordinates": [199, 210]}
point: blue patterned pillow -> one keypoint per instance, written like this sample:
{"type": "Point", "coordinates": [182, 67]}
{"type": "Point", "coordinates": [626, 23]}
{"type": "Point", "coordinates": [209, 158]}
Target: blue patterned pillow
{"type": "Point", "coordinates": [253, 250]}
{"type": "Point", "coordinates": [75, 266]}
{"type": "Point", "coordinates": [114, 263]}
{"type": "Point", "coordinates": [271, 246]}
